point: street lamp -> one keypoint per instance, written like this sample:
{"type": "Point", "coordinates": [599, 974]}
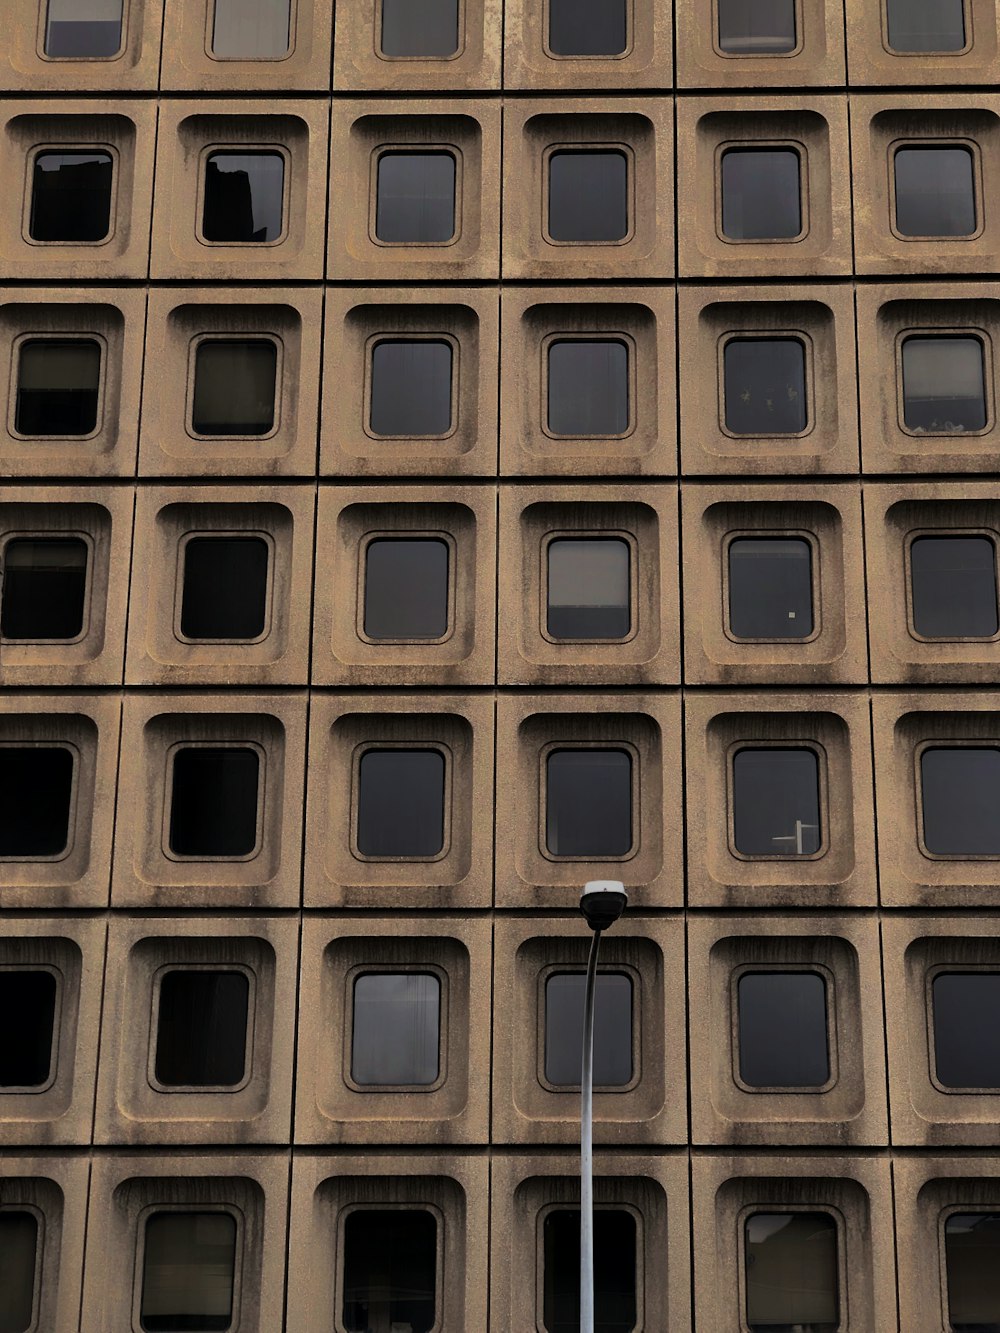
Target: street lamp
{"type": "Point", "coordinates": [602, 903]}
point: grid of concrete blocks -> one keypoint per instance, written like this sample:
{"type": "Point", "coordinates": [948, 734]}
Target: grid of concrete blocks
{"type": "Point", "coordinates": [538, 412]}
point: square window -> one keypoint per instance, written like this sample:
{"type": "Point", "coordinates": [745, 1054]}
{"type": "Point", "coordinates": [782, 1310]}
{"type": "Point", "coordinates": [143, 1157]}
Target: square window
{"type": "Point", "coordinates": [943, 385]}
{"type": "Point", "coordinates": [214, 801]}
{"type": "Point", "coordinates": [926, 25]}
{"type": "Point", "coordinates": [588, 197]}
{"type": "Point", "coordinates": [419, 29]}
{"type": "Point", "coordinates": [588, 27]}
{"type": "Point", "coordinates": [782, 1027]}
{"type": "Point", "coordinates": [251, 29]}
{"type": "Point", "coordinates": [390, 1270]}
{"type": "Point", "coordinates": [234, 387]}
{"type": "Point", "coordinates": [44, 588]}
{"type": "Point", "coordinates": [761, 194]}
{"type": "Point", "coordinates": [396, 1032]}
{"type": "Point", "coordinates": [588, 389]}
{"type": "Point", "coordinates": [757, 27]}
{"type": "Point", "coordinates": [83, 29]}
{"type": "Point", "coordinates": [188, 1271]}
{"type": "Point", "coordinates": [224, 588]}
{"type": "Point", "coordinates": [415, 198]}
{"type": "Point", "coordinates": [411, 387]}
{"type": "Point", "coordinates": [972, 1263]}
{"type": "Point", "coordinates": [37, 783]}
{"type": "Point", "coordinates": [18, 1261]}
{"type": "Point", "coordinates": [792, 1272]}
{"type": "Point", "coordinates": [935, 191]}
{"type": "Point", "coordinates": [406, 589]}
{"type": "Point", "coordinates": [244, 198]}
{"type": "Point", "coordinates": [765, 386]}
{"type": "Point", "coordinates": [770, 588]}
{"type": "Point", "coordinates": [58, 387]}
{"type": "Point", "coordinates": [776, 802]}
{"type": "Point", "coordinates": [26, 1041]}
{"type": "Point", "coordinates": [201, 1028]}
{"type": "Point", "coordinates": [400, 803]}
{"type": "Point", "coordinates": [564, 1000]}
{"type": "Point", "coordinates": [959, 799]}
{"type": "Point", "coordinates": [71, 197]}
{"type": "Point", "coordinates": [589, 588]}
{"type": "Point", "coordinates": [953, 587]}
{"type": "Point", "coordinates": [588, 806]}
{"type": "Point", "coordinates": [615, 1303]}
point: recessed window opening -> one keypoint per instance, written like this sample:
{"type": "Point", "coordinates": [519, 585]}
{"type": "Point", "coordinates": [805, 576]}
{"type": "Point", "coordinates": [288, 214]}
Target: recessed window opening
{"type": "Point", "coordinates": [765, 386]}
{"type": "Point", "coordinates": [935, 191]}
{"type": "Point", "coordinates": [390, 1270]}
{"type": "Point", "coordinates": [83, 29]}
{"type": "Point", "coordinates": [615, 1249]}
{"type": "Point", "coordinates": [943, 385]}
{"type": "Point", "coordinates": [188, 1272]}
{"type": "Point", "coordinates": [418, 29]}
{"type": "Point", "coordinates": [770, 588]}
{"type": "Point", "coordinates": [214, 800]}
{"type": "Point", "coordinates": [415, 198]}
{"type": "Point", "coordinates": [589, 588]}
{"type": "Point", "coordinates": [201, 1029]}
{"type": "Point", "coordinates": [406, 588]}
{"type": "Point", "coordinates": [244, 197]}
{"type": "Point", "coordinates": [71, 196]}
{"type": "Point", "coordinates": [953, 586]}
{"type": "Point", "coordinates": [776, 809]}
{"type": "Point", "coordinates": [18, 1262]}
{"type": "Point", "coordinates": [588, 27]}
{"type": "Point", "coordinates": [588, 196]}
{"type": "Point", "coordinates": [396, 1033]}
{"type": "Point", "coordinates": [757, 27]}
{"type": "Point", "coordinates": [234, 386]}
{"type": "Point", "coordinates": [28, 997]}
{"type": "Point", "coordinates": [58, 387]}
{"type": "Point", "coordinates": [44, 589]}
{"type": "Point", "coordinates": [251, 29]}
{"type": "Point", "coordinates": [37, 786]}
{"type": "Point", "coordinates": [792, 1273]}
{"type": "Point", "coordinates": [588, 807]}
{"type": "Point", "coordinates": [588, 389]}
{"type": "Point", "coordinates": [782, 1030]}
{"type": "Point", "coordinates": [966, 1029]}
{"type": "Point", "coordinates": [930, 26]}
{"type": "Point", "coordinates": [761, 194]}
{"type": "Point", "coordinates": [959, 797]}
{"type": "Point", "coordinates": [411, 387]}
{"type": "Point", "coordinates": [401, 796]}
{"type": "Point", "coordinates": [564, 997]}
{"type": "Point", "coordinates": [972, 1264]}
{"type": "Point", "coordinates": [224, 588]}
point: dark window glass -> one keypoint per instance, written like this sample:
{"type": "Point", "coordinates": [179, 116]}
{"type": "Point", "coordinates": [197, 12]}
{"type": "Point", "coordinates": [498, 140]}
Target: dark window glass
{"type": "Point", "coordinates": [954, 587]}
{"type": "Point", "coordinates": [588, 196]}
{"type": "Point", "coordinates": [29, 999]}
{"type": "Point", "coordinates": [37, 786]}
{"type": "Point", "coordinates": [614, 1270]}
{"type": "Point", "coordinates": [44, 588]}
{"type": "Point", "coordinates": [397, 1024]}
{"type": "Point", "coordinates": [960, 798]}
{"type": "Point", "coordinates": [972, 1259]}
{"type": "Point", "coordinates": [588, 588]}
{"type": "Point", "coordinates": [588, 810]}
{"type": "Point", "coordinates": [765, 386]}
{"type": "Point", "coordinates": [943, 385]}
{"type": "Point", "coordinates": [201, 1032]}
{"type": "Point", "coordinates": [967, 1030]}
{"type": "Point", "coordinates": [415, 200]}
{"type": "Point", "coordinates": [401, 803]}
{"type": "Point", "coordinates": [188, 1267]}
{"type": "Point", "coordinates": [225, 588]}
{"type": "Point", "coordinates": [234, 387]}
{"type": "Point", "coordinates": [18, 1251]}
{"type": "Point", "coordinates": [935, 194]}
{"type": "Point", "coordinates": [57, 387]}
{"type": "Point", "coordinates": [427, 28]}
{"type": "Point", "coordinates": [564, 998]}
{"type": "Point", "coordinates": [390, 1270]}
{"type": "Point", "coordinates": [213, 809]}
{"type": "Point", "coordinates": [926, 25]}
{"type": "Point", "coordinates": [770, 588]}
{"type": "Point", "coordinates": [782, 1030]}
{"type": "Point", "coordinates": [757, 27]}
{"type": "Point", "coordinates": [792, 1277]}
{"type": "Point", "coordinates": [71, 196]}
{"type": "Point", "coordinates": [588, 387]}
{"type": "Point", "coordinates": [78, 29]}
{"type": "Point", "coordinates": [776, 802]}
{"type": "Point", "coordinates": [411, 388]}
{"type": "Point", "coordinates": [761, 194]}
{"type": "Point", "coordinates": [588, 27]}
{"type": "Point", "coordinates": [243, 197]}
{"type": "Point", "coordinates": [406, 588]}
{"type": "Point", "coordinates": [251, 29]}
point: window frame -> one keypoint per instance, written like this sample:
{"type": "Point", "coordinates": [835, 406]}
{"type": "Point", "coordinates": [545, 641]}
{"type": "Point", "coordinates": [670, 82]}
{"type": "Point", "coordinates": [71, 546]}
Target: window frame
{"type": "Point", "coordinates": [915, 534]}
{"type": "Point", "coordinates": [52, 534]}
{"type": "Point", "coordinates": [207, 151]}
{"type": "Point", "coordinates": [624, 54]}
{"type": "Point", "coordinates": [625, 150]}
{"type": "Point", "coordinates": [83, 147]}
{"type": "Point", "coordinates": [808, 376]}
{"type": "Point", "coordinates": [447, 800]}
{"type": "Point", "coordinates": [401, 336]}
{"type": "Point", "coordinates": [978, 193]}
{"type": "Point", "coordinates": [832, 1046]}
{"type": "Point", "coordinates": [620, 1206]}
{"type": "Point", "coordinates": [945, 743]}
{"type": "Point", "coordinates": [941, 332]}
{"type": "Point", "coordinates": [192, 1206]}
{"type": "Point", "coordinates": [796, 50]}
{"type": "Point", "coordinates": [56, 336]}
{"type": "Point", "coordinates": [588, 534]}
{"type": "Point", "coordinates": [30, 743]}
{"type": "Point", "coordinates": [293, 7]}
{"type": "Point", "coordinates": [455, 55]}
{"type": "Point", "coordinates": [204, 1089]}
{"type": "Point", "coordinates": [774, 534]}
{"type": "Point", "coordinates": [752, 1209]}
{"type": "Point", "coordinates": [590, 336]}
{"type": "Point", "coordinates": [43, 23]}
{"type": "Point", "coordinates": [40, 1247]}
{"type": "Point", "coordinates": [211, 534]}
{"type": "Point", "coordinates": [606, 969]}
{"type": "Point", "coordinates": [381, 1206]}
{"type": "Point", "coordinates": [194, 347]}
{"type": "Point", "coordinates": [25, 1090]}
{"type": "Point", "coordinates": [416, 149]}
{"type": "Point", "coordinates": [395, 969]}
{"type": "Point", "coordinates": [401, 534]}
{"type": "Point", "coordinates": [225, 743]}
{"type": "Point", "coordinates": [801, 150]}
{"type": "Point", "coordinates": [823, 799]}
{"type": "Point", "coordinates": [543, 800]}
{"type": "Point", "coordinates": [924, 55]}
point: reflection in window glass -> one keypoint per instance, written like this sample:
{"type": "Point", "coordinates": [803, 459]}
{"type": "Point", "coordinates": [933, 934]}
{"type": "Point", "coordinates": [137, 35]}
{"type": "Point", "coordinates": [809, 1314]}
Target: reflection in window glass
{"type": "Point", "coordinates": [943, 385]}
{"type": "Point", "coordinates": [415, 198]}
{"type": "Point", "coordinates": [234, 383]}
{"type": "Point", "coordinates": [972, 1261]}
{"type": "Point", "coordinates": [935, 192]}
{"type": "Point", "coordinates": [406, 588]}
{"type": "Point", "coordinates": [37, 786]}
{"type": "Point", "coordinates": [29, 1000]}
{"type": "Point", "coordinates": [765, 386]}
{"type": "Point", "coordinates": [71, 197]}
{"type": "Point", "coordinates": [244, 195]}
{"type": "Point", "coordinates": [953, 584]}
{"type": "Point", "coordinates": [588, 27]}
{"type": "Point", "coordinates": [188, 1265]}
{"type": "Point", "coordinates": [757, 27]}
{"type": "Point", "coordinates": [588, 197]}
{"type": "Point", "coordinates": [397, 1025]}
{"type": "Point", "coordinates": [926, 25]}
{"type": "Point", "coordinates": [18, 1257]}
{"type": "Point", "coordinates": [783, 1037]}
{"type": "Point", "coordinates": [390, 1270]}
{"type": "Point", "coordinates": [776, 802]}
{"type": "Point", "coordinates": [44, 586]}
{"type": "Point", "coordinates": [224, 591]}
{"type": "Point", "coordinates": [564, 997]}
{"type": "Point", "coordinates": [213, 807]}
{"type": "Point", "coordinates": [966, 1007]}
{"type": "Point", "coordinates": [960, 797]}
{"type": "Point", "coordinates": [251, 29]}
{"type": "Point", "coordinates": [411, 387]}
{"type": "Point", "coordinates": [792, 1273]}
{"type": "Point", "coordinates": [588, 807]}
{"type": "Point", "coordinates": [415, 28]}
{"type": "Point", "coordinates": [614, 1270]}
{"type": "Point", "coordinates": [770, 588]}
{"type": "Point", "coordinates": [761, 194]}
{"type": "Point", "coordinates": [588, 387]}
{"type": "Point", "coordinates": [401, 803]}
{"type": "Point", "coordinates": [201, 1033]}
{"type": "Point", "coordinates": [589, 595]}
{"type": "Point", "coordinates": [58, 387]}
{"type": "Point", "coordinates": [82, 29]}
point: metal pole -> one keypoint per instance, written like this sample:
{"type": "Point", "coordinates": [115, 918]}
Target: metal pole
{"type": "Point", "coordinates": [587, 1148]}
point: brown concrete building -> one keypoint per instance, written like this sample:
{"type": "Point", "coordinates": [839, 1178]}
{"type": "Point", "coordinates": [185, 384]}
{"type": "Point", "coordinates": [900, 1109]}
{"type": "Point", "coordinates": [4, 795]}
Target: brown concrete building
{"type": "Point", "coordinates": [452, 450]}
